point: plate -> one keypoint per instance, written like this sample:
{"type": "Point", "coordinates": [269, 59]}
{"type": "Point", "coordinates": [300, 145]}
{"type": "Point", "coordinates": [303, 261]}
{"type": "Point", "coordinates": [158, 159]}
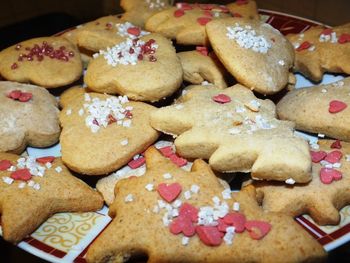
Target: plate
{"type": "Point", "coordinates": [65, 237]}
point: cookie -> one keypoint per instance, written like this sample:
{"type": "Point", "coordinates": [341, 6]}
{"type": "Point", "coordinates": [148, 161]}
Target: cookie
{"type": "Point", "coordinates": [319, 50]}
{"type": "Point", "coordinates": [330, 176]}
{"type": "Point", "coordinates": [101, 133]}
{"type": "Point", "coordinates": [138, 11]}
{"type": "Point", "coordinates": [198, 66]}
{"type": "Point", "coordinates": [186, 22]}
{"type": "Point", "coordinates": [255, 53]}
{"type": "Point", "coordinates": [179, 216]}
{"type": "Point", "coordinates": [31, 190]}
{"type": "Point", "coordinates": [28, 116]}
{"type": "Point", "coordinates": [244, 8]}
{"type": "Point", "coordinates": [49, 62]}
{"type": "Point", "coordinates": [237, 133]}
{"type": "Point", "coordinates": [70, 95]}
{"type": "Point", "coordinates": [145, 69]}
{"type": "Point", "coordinates": [319, 109]}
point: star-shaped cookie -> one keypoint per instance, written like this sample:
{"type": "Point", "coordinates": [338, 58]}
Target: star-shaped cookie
{"type": "Point", "coordinates": [322, 197]}
{"type": "Point", "coordinates": [237, 133]}
{"type": "Point", "coordinates": [170, 215]}
{"type": "Point", "coordinates": [28, 116]}
{"type": "Point", "coordinates": [319, 50]}
{"type": "Point", "coordinates": [31, 190]}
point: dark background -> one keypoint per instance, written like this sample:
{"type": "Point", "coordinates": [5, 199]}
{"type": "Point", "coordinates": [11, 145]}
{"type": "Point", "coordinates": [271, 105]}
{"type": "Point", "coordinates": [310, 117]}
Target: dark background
{"type": "Point", "coordinates": [23, 19]}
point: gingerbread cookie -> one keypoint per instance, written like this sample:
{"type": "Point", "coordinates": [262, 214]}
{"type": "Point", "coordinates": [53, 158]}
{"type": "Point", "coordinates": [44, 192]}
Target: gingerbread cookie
{"type": "Point", "coordinates": [255, 53]}
{"type": "Point", "coordinates": [138, 11]}
{"type": "Point", "coordinates": [145, 69]}
{"type": "Point", "coordinates": [101, 133]}
{"type": "Point", "coordinates": [70, 95]}
{"type": "Point", "coordinates": [198, 66]}
{"type": "Point", "coordinates": [186, 22]}
{"type": "Point", "coordinates": [237, 133]}
{"type": "Point", "coordinates": [179, 216]}
{"type": "Point", "coordinates": [28, 116]}
{"type": "Point", "coordinates": [244, 8]}
{"type": "Point", "coordinates": [319, 50]}
{"type": "Point", "coordinates": [49, 62]}
{"type": "Point", "coordinates": [330, 176]}
{"type": "Point", "coordinates": [31, 190]}
{"type": "Point", "coordinates": [319, 109]}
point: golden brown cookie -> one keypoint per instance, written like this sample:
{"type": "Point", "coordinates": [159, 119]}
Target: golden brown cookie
{"type": "Point", "coordinates": [31, 190]}
{"type": "Point", "coordinates": [244, 8]}
{"type": "Point", "coordinates": [49, 62]}
{"type": "Point", "coordinates": [198, 66]}
{"type": "Point", "coordinates": [237, 133]}
{"type": "Point", "coordinates": [145, 69]}
{"type": "Point", "coordinates": [255, 53]}
{"type": "Point", "coordinates": [28, 116]}
{"type": "Point", "coordinates": [319, 50]}
{"type": "Point", "coordinates": [319, 109]}
{"type": "Point", "coordinates": [70, 94]}
{"type": "Point", "coordinates": [170, 215]}
{"type": "Point", "coordinates": [330, 177]}
{"type": "Point", "coordinates": [138, 11]}
{"type": "Point", "coordinates": [101, 133]}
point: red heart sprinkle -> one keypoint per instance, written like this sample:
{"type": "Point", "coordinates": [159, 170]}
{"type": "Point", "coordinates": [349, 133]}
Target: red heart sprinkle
{"type": "Point", "coordinates": [182, 225]}
{"type": "Point", "coordinates": [167, 151]}
{"type": "Point", "coordinates": [236, 15]}
{"type": "Point", "coordinates": [209, 235]}
{"type": "Point", "coordinates": [178, 160]}
{"type": "Point", "coordinates": [169, 192]}
{"type": "Point", "coordinates": [318, 156]}
{"type": "Point", "coordinates": [15, 94]}
{"type": "Point", "coordinates": [46, 159]}
{"type": "Point", "coordinates": [189, 211]}
{"type": "Point", "coordinates": [336, 106]}
{"type": "Point", "coordinates": [21, 174]}
{"type": "Point", "coordinates": [135, 31]}
{"type": "Point", "coordinates": [184, 6]}
{"type": "Point", "coordinates": [257, 229]}
{"type": "Point", "coordinates": [133, 164]}
{"type": "Point", "coordinates": [203, 20]}
{"type": "Point", "coordinates": [179, 13]}
{"type": "Point", "coordinates": [344, 38]}
{"type": "Point", "coordinates": [334, 157]}
{"type": "Point", "coordinates": [327, 31]}
{"type": "Point", "coordinates": [336, 145]}
{"type": "Point", "coordinates": [222, 225]}
{"type": "Point", "coordinates": [206, 6]}
{"type": "Point", "coordinates": [202, 50]}
{"type": "Point", "coordinates": [327, 175]}
{"type": "Point", "coordinates": [25, 96]}
{"type": "Point", "coordinates": [304, 45]}
{"type": "Point", "coordinates": [222, 98]}
{"type": "Point", "coordinates": [5, 164]}
{"type": "Point", "coordinates": [237, 220]}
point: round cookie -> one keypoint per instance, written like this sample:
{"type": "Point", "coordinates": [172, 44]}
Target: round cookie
{"type": "Point", "coordinates": [255, 53]}
{"type": "Point", "coordinates": [146, 69]}
{"type": "Point", "coordinates": [49, 62]}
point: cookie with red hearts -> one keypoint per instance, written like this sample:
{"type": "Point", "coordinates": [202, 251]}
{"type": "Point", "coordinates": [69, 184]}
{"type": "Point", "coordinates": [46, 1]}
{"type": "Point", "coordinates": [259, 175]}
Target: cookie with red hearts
{"type": "Point", "coordinates": [236, 132]}
{"type": "Point", "coordinates": [322, 197]}
{"type": "Point", "coordinates": [180, 216]}
{"type": "Point", "coordinates": [50, 62]}
{"type": "Point", "coordinates": [319, 109]}
{"type": "Point", "coordinates": [101, 133]}
{"type": "Point", "coordinates": [144, 69]}
{"type": "Point", "coordinates": [138, 11]}
{"type": "Point", "coordinates": [319, 50]}
{"type": "Point", "coordinates": [33, 189]}
{"type": "Point", "coordinates": [199, 66]}
{"type": "Point", "coordinates": [28, 116]}
{"type": "Point", "coordinates": [255, 53]}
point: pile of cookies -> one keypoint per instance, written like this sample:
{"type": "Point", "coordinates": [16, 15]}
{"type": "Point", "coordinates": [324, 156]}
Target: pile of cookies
{"type": "Point", "coordinates": [123, 84]}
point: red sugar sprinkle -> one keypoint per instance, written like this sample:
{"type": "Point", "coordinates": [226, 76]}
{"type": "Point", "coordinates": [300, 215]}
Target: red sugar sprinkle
{"type": "Point", "coordinates": [14, 66]}
{"type": "Point", "coordinates": [5, 164]}
{"type": "Point", "coordinates": [209, 235]}
{"type": "Point", "coordinates": [344, 38]}
{"type": "Point", "coordinates": [237, 220]}
{"type": "Point", "coordinates": [167, 151]}
{"type": "Point", "coordinates": [236, 15]}
{"type": "Point", "coordinates": [328, 175]}
{"type": "Point", "coordinates": [20, 96]}
{"type": "Point", "coordinates": [317, 156]}
{"type": "Point", "coordinates": [46, 159]}
{"type": "Point", "coordinates": [15, 94]}
{"type": "Point", "coordinates": [222, 98]}
{"type": "Point", "coordinates": [257, 229]}
{"type": "Point", "coordinates": [334, 156]}
{"type": "Point", "coordinates": [336, 106]}
{"type": "Point", "coordinates": [21, 174]}
{"type": "Point", "coordinates": [242, 2]}
{"type": "Point", "coordinates": [207, 6]}
{"type": "Point", "coordinates": [178, 160]}
{"type": "Point", "coordinates": [184, 6]}
{"type": "Point", "coordinates": [203, 20]}
{"type": "Point", "coordinates": [304, 45]}
{"type": "Point", "coordinates": [202, 50]}
{"type": "Point", "coordinates": [182, 225]}
{"type": "Point", "coordinates": [336, 145]}
{"type": "Point", "coordinates": [327, 31]}
{"type": "Point", "coordinates": [189, 211]}
{"type": "Point", "coordinates": [135, 31]}
{"type": "Point", "coordinates": [133, 164]}
{"type": "Point", "coordinates": [169, 192]}
{"type": "Point", "coordinates": [179, 13]}
{"type": "Point", "coordinates": [207, 13]}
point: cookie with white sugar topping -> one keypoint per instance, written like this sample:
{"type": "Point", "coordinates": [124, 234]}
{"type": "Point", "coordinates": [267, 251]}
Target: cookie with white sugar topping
{"type": "Point", "coordinates": [101, 133]}
{"type": "Point", "coordinates": [33, 189]}
{"type": "Point", "coordinates": [331, 177]}
{"type": "Point", "coordinates": [255, 53]}
{"type": "Point", "coordinates": [237, 133]}
{"type": "Point", "coordinates": [319, 50]}
{"type": "Point", "coordinates": [179, 216]}
{"type": "Point", "coordinates": [319, 109]}
{"type": "Point", "coordinates": [50, 62]}
{"type": "Point", "coordinates": [28, 116]}
{"type": "Point", "coordinates": [144, 69]}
